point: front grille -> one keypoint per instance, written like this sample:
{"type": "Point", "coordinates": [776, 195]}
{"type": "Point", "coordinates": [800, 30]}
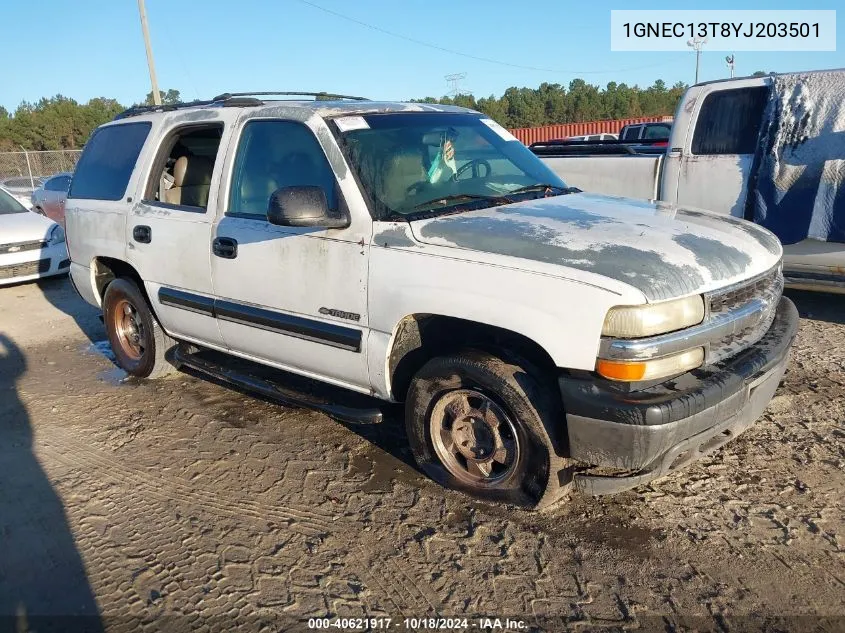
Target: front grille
{"type": "Point", "coordinates": [24, 269]}
{"type": "Point", "coordinates": [19, 247]}
{"type": "Point", "coordinates": [764, 292]}
{"type": "Point", "coordinates": [767, 284]}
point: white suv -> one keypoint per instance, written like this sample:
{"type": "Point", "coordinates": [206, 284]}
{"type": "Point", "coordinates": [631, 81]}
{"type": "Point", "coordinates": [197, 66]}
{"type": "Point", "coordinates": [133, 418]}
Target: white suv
{"type": "Point", "coordinates": [541, 338]}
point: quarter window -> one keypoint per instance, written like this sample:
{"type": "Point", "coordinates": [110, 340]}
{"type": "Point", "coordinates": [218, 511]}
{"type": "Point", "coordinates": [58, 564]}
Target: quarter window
{"type": "Point", "coordinates": [729, 121]}
{"type": "Point", "coordinates": [273, 155]}
{"type": "Point", "coordinates": [108, 160]}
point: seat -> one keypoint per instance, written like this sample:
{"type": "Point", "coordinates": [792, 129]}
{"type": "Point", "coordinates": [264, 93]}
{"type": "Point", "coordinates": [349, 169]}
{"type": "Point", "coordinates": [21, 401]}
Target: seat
{"type": "Point", "coordinates": [191, 181]}
{"type": "Point", "coordinates": [403, 169]}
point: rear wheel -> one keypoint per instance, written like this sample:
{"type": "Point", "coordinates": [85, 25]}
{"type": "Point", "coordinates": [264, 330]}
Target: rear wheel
{"type": "Point", "coordinates": [478, 424]}
{"type": "Point", "coordinates": [137, 340]}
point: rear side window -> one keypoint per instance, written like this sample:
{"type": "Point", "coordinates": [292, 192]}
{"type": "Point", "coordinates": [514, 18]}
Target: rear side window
{"type": "Point", "coordinates": [631, 133]}
{"type": "Point", "coordinates": [107, 161]}
{"type": "Point", "coordinates": [729, 121]}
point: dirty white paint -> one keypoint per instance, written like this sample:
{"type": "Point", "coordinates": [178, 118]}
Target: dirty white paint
{"type": "Point", "coordinates": [548, 269]}
{"type": "Point", "coordinates": [720, 183]}
{"type": "Point", "coordinates": [662, 251]}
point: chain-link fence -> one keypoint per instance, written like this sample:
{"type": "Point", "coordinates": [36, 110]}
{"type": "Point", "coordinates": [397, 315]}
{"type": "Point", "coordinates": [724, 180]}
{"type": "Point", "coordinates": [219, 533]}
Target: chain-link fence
{"type": "Point", "coordinates": [34, 165]}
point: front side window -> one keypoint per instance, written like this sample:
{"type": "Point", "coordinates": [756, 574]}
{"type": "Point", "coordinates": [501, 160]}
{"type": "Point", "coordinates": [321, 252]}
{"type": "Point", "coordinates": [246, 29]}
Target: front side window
{"type": "Point", "coordinates": [410, 163]}
{"type": "Point", "coordinates": [729, 121]}
{"type": "Point", "coordinates": [108, 160]}
{"type": "Point", "coordinates": [657, 132]}
{"type": "Point", "coordinates": [273, 155]}
{"type": "Point", "coordinates": [9, 205]}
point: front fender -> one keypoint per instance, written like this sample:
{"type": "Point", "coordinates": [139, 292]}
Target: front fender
{"type": "Point", "coordinates": [562, 316]}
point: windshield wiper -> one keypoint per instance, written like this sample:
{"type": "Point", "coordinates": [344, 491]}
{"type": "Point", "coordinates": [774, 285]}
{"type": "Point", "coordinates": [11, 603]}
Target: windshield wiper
{"type": "Point", "coordinates": [545, 187]}
{"type": "Point", "coordinates": [459, 197]}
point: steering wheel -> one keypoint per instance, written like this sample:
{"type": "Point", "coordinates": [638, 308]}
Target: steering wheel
{"type": "Point", "coordinates": [416, 188]}
{"type": "Point", "coordinates": [474, 164]}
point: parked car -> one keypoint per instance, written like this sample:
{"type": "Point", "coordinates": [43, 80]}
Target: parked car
{"type": "Point", "coordinates": [605, 136]}
{"type": "Point", "coordinates": [49, 198]}
{"type": "Point", "coordinates": [540, 338]}
{"type": "Point", "coordinates": [713, 161]}
{"type": "Point", "coordinates": [31, 246]}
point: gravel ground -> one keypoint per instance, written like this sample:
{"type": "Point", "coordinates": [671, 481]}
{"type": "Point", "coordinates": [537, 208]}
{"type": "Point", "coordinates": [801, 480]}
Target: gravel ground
{"type": "Point", "coordinates": [183, 505]}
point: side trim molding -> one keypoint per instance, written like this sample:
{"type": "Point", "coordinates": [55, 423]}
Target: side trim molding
{"type": "Point", "coordinates": [244, 314]}
{"type": "Point", "coordinates": [186, 301]}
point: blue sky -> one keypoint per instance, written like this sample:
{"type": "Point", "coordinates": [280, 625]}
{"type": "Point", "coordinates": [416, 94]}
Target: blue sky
{"type": "Point", "coordinates": [91, 48]}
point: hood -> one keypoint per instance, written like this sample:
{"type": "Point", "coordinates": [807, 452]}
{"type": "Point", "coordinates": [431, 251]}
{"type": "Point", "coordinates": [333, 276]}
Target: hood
{"type": "Point", "coordinates": [662, 250]}
{"type": "Point", "coordinates": [24, 227]}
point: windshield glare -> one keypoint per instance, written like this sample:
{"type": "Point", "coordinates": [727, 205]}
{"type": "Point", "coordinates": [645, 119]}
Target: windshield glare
{"type": "Point", "coordinates": [9, 205]}
{"type": "Point", "coordinates": [409, 162]}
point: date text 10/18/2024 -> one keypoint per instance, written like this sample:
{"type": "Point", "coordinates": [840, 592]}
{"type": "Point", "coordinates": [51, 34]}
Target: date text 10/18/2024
{"type": "Point", "coordinates": [417, 624]}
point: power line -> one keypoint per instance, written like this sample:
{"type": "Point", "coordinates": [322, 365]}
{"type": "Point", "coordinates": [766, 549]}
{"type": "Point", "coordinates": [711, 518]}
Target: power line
{"type": "Point", "coordinates": [468, 55]}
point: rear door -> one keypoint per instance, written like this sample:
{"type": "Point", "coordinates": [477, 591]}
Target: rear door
{"type": "Point", "coordinates": [169, 226]}
{"type": "Point", "coordinates": [55, 192]}
{"type": "Point", "coordinates": [716, 160]}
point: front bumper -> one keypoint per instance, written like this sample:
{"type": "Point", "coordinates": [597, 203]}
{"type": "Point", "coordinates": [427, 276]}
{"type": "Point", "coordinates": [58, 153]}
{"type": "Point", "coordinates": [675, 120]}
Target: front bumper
{"type": "Point", "coordinates": [646, 434]}
{"type": "Point", "coordinates": [18, 267]}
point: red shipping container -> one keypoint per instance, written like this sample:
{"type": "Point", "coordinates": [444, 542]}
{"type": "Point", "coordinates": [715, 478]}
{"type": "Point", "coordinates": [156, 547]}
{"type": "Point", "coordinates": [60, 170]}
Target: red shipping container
{"type": "Point", "coordinates": [530, 135]}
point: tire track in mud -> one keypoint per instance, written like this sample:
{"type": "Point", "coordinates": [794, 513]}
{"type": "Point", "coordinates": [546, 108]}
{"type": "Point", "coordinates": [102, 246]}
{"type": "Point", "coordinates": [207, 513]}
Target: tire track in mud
{"type": "Point", "coordinates": [80, 456]}
{"type": "Point", "coordinates": [384, 570]}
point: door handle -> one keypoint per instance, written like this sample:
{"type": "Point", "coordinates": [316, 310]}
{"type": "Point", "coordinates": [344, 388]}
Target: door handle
{"type": "Point", "coordinates": [225, 247]}
{"type": "Point", "coordinates": [142, 234]}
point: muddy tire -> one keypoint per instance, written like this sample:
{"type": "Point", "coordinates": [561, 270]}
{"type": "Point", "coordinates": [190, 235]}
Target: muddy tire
{"type": "Point", "coordinates": [476, 423]}
{"type": "Point", "coordinates": [136, 338]}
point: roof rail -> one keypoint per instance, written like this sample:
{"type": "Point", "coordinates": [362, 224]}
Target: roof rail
{"type": "Point", "coordinates": [233, 99]}
{"type": "Point", "coordinates": [316, 95]}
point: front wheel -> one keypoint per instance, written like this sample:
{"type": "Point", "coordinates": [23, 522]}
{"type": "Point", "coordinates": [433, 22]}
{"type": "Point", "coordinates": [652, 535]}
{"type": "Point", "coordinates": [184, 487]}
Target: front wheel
{"type": "Point", "coordinates": [478, 424]}
{"type": "Point", "coordinates": [136, 338]}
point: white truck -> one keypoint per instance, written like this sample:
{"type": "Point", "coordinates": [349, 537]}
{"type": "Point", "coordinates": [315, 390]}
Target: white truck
{"type": "Point", "coordinates": [541, 339]}
{"type": "Point", "coordinates": [717, 147]}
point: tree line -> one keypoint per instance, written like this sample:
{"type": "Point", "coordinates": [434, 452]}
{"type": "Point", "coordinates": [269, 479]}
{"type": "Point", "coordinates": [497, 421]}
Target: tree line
{"type": "Point", "coordinates": [60, 122]}
{"type": "Point", "coordinates": [553, 103]}
{"type": "Point", "coordinates": [63, 123]}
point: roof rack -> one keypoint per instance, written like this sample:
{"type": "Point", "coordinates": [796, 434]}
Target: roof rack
{"type": "Point", "coordinates": [316, 95]}
{"type": "Point", "coordinates": [230, 99]}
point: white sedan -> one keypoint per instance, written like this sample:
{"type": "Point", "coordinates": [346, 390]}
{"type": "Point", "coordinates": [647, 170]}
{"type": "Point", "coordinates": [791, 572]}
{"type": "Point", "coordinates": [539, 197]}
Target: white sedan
{"type": "Point", "coordinates": [31, 246]}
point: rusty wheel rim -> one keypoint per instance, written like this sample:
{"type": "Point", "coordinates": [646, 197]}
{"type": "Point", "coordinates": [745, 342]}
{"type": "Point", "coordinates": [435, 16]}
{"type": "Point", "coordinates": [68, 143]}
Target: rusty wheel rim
{"type": "Point", "coordinates": [129, 329]}
{"type": "Point", "coordinates": [474, 438]}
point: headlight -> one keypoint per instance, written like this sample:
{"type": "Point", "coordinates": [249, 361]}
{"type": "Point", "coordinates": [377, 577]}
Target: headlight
{"type": "Point", "coordinates": [57, 235]}
{"type": "Point", "coordinates": [633, 371]}
{"type": "Point", "coordinates": [653, 318]}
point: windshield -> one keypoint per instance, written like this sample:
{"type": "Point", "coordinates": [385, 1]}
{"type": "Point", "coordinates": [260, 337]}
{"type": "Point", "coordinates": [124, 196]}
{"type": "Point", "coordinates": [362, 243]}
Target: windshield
{"type": "Point", "coordinates": [9, 205]}
{"type": "Point", "coordinates": [415, 163]}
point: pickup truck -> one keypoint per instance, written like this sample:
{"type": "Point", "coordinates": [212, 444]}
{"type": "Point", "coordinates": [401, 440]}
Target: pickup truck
{"type": "Point", "coordinates": [713, 162]}
{"type": "Point", "coordinates": [541, 339]}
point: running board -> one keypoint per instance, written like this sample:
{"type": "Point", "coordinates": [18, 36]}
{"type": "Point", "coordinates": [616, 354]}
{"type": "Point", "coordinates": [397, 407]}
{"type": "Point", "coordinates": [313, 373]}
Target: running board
{"type": "Point", "coordinates": [276, 392]}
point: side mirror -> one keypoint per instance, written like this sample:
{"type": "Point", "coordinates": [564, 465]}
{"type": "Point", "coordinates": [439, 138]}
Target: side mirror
{"type": "Point", "coordinates": [302, 206]}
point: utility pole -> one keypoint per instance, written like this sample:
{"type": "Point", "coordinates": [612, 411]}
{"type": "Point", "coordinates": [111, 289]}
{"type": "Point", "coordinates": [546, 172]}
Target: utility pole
{"type": "Point", "coordinates": [143, 11]}
{"type": "Point", "coordinates": [696, 43]}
